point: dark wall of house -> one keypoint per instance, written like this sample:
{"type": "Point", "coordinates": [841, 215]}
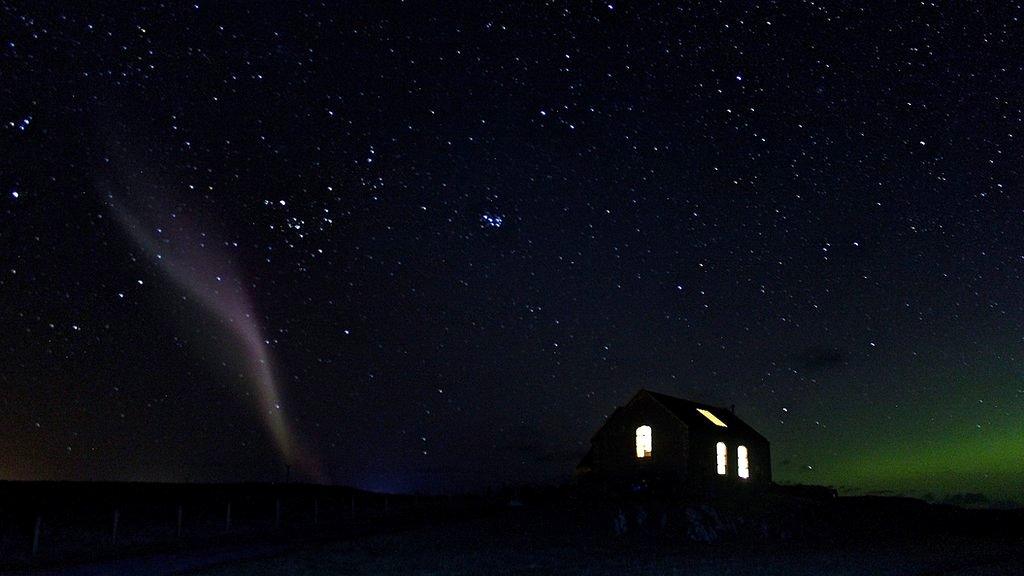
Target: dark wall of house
{"type": "Point", "coordinates": [613, 449]}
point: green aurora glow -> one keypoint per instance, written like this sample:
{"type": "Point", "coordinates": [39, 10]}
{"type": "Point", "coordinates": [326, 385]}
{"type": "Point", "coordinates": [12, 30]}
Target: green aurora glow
{"type": "Point", "coordinates": [953, 442]}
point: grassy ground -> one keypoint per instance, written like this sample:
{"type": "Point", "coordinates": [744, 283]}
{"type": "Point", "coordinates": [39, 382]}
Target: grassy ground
{"type": "Point", "coordinates": [521, 542]}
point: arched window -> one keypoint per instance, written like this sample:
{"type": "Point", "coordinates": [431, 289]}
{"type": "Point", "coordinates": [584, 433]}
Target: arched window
{"type": "Point", "coordinates": [723, 458]}
{"type": "Point", "coordinates": [742, 464]}
{"type": "Point", "coordinates": [643, 442]}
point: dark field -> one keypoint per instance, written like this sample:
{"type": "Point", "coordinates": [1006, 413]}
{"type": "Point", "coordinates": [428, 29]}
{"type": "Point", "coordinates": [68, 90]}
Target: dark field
{"type": "Point", "coordinates": [342, 531]}
{"type": "Point", "coordinates": [50, 525]}
{"type": "Point", "coordinates": [523, 543]}
{"type": "Point", "coordinates": [846, 536]}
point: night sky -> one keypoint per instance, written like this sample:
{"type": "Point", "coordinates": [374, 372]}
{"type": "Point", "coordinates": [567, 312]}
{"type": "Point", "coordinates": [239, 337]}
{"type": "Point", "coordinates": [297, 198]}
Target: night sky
{"type": "Point", "coordinates": [408, 247]}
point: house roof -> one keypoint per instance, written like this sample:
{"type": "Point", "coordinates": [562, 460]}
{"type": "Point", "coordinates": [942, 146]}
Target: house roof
{"type": "Point", "coordinates": [689, 413]}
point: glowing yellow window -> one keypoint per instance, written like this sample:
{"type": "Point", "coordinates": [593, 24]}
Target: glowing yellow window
{"type": "Point", "coordinates": [643, 442]}
{"type": "Point", "coordinates": [723, 458]}
{"type": "Point", "coordinates": [714, 419]}
{"type": "Point", "coordinates": [742, 465]}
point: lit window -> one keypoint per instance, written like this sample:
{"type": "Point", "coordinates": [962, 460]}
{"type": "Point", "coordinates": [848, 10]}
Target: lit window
{"type": "Point", "coordinates": [643, 442]}
{"type": "Point", "coordinates": [714, 419]}
{"type": "Point", "coordinates": [723, 458]}
{"type": "Point", "coordinates": [742, 464]}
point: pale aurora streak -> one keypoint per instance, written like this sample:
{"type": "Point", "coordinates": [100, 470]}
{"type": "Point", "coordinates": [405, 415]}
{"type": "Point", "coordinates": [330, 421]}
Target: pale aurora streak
{"type": "Point", "coordinates": [207, 273]}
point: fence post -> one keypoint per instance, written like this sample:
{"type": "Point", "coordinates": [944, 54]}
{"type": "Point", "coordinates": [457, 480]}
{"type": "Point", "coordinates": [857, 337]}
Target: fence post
{"type": "Point", "coordinates": [352, 506]}
{"type": "Point", "coordinates": [179, 521]}
{"type": "Point", "coordinates": [113, 532]}
{"type": "Point", "coordinates": [277, 513]}
{"type": "Point", "coordinates": [35, 534]}
{"type": "Point", "coordinates": [227, 518]}
{"type": "Point", "coordinates": [385, 505]}
{"type": "Point", "coordinates": [316, 511]}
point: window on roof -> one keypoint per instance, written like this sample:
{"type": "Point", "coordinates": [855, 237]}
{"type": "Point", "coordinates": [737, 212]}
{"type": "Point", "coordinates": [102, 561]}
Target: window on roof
{"type": "Point", "coordinates": [723, 458]}
{"type": "Point", "coordinates": [643, 442]}
{"type": "Point", "coordinates": [714, 419]}
{"type": "Point", "coordinates": [742, 464]}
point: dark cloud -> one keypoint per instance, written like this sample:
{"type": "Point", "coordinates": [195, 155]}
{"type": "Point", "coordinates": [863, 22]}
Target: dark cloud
{"type": "Point", "coordinates": [822, 358]}
{"type": "Point", "coordinates": [966, 499]}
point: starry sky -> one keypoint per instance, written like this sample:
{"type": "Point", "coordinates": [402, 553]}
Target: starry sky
{"type": "Point", "coordinates": [406, 246]}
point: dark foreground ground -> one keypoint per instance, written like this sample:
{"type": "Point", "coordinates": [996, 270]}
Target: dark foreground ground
{"type": "Point", "coordinates": [842, 537]}
{"type": "Point", "coordinates": [565, 531]}
{"type": "Point", "coordinates": [473, 548]}
{"type": "Point", "coordinates": [99, 528]}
